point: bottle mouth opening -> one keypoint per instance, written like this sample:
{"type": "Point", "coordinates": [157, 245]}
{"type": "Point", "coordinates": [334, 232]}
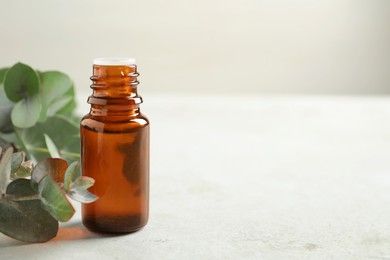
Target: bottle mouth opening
{"type": "Point", "coordinates": [114, 61]}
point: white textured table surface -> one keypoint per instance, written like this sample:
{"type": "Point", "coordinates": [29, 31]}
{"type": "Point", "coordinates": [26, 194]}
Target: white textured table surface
{"type": "Point", "coordinates": [253, 178]}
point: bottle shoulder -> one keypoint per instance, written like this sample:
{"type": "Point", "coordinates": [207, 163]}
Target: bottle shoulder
{"type": "Point", "coordinates": [114, 124]}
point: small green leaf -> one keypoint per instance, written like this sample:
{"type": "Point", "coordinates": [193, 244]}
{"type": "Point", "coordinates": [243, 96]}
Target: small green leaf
{"type": "Point", "coordinates": [51, 147]}
{"type": "Point", "coordinates": [24, 170]}
{"type": "Point", "coordinates": [21, 188]}
{"type": "Point", "coordinates": [5, 106]}
{"type": "Point", "coordinates": [65, 135]}
{"type": "Point", "coordinates": [82, 183]}
{"type": "Point", "coordinates": [82, 196]}
{"type": "Point", "coordinates": [54, 167]}
{"type": "Point", "coordinates": [21, 81]}
{"type": "Point", "coordinates": [26, 112]}
{"type": "Point", "coordinates": [40, 171]}
{"type": "Point", "coordinates": [71, 150]}
{"type": "Point", "coordinates": [25, 220]}
{"type": "Point", "coordinates": [78, 190]}
{"type": "Point", "coordinates": [5, 169]}
{"type": "Point", "coordinates": [5, 118]}
{"type": "Point", "coordinates": [70, 175]}
{"type": "Point", "coordinates": [17, 159]}
{"type": "Point", "coordinates": [54, 200]}
{"type": "Point", "coordinates": [68, 109]}
{"type": "Point", "coordinates": [4, 144]}
{"type": "Point", "coordinates": [55, 85]}
{"type": "Point", "coordinates": [58, 105]}
{"type": "Point", "coordinates": [3, 71]}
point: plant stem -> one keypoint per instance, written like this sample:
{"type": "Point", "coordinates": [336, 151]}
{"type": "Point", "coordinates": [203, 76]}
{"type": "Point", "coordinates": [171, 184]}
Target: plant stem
{"type": "Point", "coordinates": [44, 150]}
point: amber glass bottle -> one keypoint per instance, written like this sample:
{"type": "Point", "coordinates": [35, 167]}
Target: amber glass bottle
{"type": "Point", "coordinates": [115, 149]}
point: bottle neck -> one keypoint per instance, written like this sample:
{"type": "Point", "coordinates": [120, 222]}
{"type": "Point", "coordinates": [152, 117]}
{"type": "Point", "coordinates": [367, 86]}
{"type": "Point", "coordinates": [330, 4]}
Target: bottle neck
{"type": "Point", "coordinates": [114, 91]}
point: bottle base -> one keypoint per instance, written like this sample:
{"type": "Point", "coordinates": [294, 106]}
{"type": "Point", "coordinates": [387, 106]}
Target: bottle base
{"type": "Point", "coordinates": [115, 225]}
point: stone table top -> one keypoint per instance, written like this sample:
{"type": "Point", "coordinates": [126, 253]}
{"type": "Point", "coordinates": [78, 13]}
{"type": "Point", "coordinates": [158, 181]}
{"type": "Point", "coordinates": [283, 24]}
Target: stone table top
{"type": "Point", "coordinates": [260, 177]}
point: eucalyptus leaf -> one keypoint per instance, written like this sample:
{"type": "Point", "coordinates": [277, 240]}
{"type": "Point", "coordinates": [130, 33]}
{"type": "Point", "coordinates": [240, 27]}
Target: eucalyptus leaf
{"type": "Point", "coordinates": [71, 149]}
{"type": "Point", "coordinates": [5, 169]}
{"type": "Point", "coordinates": [24, 170]}
{"type": "Point", "coordinates": [53, 167]}
{"type": "Point", "coordinates": [21, 81]}
{"type": "Point", "coordinates": [78, 190]}
{"type": "Point", "coordinates": [5, 106]}
{"type": "Point", "coordinates": [82, 196]}
{"type": "Point", "coordinates": [4, 143]}
{"type": "Point", "coordinates": [5, 118]}
{"type": "Point", "coordinates": [54, 85]}
{"type": "Point", "coordinates": [51, 147]}
{"type": "Point", "coordinates": [21, 188]}
{"type": "Point", "coordinates": [25, 219]}
{"type": "Point", "coordinates": [17, 160]}
{"type": "Point", "coordinates": [63, 133]}
{"type": "Point", "coordinates": [26, 112]}
{"type": "Point", "coordinates": [70, 175]}
{"type": "Point", "coordinates": [58, 105]}
{"type": "Point", "coordinates": [3, 71]}
{"type": "Point", "coordinates": [82, 183]}
{"type": "Point", "coordinates": [54, 200]}
{"type": "Point", "coordinates": [68, 109]}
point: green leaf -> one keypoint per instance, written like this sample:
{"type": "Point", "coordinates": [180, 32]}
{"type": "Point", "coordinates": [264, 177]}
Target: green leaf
{"type": "Point", "coordinates": [21, 188]}
{"type": "Point", "coordinates": [58, 105]}
{"type": "Point", "coordinates": [70, 175]}
{"type": "Point", "coordinates": [20, 168]}
{"type": "Point", "coordinates": [24, 170]}
{"type": "Point", "coordinates": [17, 159]}
{"type": "Point", "coordinates": [26, 112]}
{"type": "Point", "coordinates": [78, 190]}
{"type": "Point", "coordinates": [82, 196]}
{"type": "Point", "coordinates": [25, 220]}
{"type": "Point", "coordinates": [54, 200]}
{"type": "Point", "coordinates": [53, 167]}
{"type": "Point", "coordinates": [76, 186]}
{"type": "Point", "coordinates": [51, 147]}
{"type": "Point", "coordinates": [4, 143]}
{"type": "Point", "coordinates": [82, 183]}
{"type": "Point", "coordinates": [71, 149]}
{"type": "Point", "coordinates": [54, 85]}
{"type": "Point", "coordinates": [5, 169]}
{"type": "Point", "coordinates": [68, 109]}
{"type": "Point", "coordinates": [65, 135]}
{"type": "Point", "coordinates": [21, 81]}
{"type": "Point", "coordinates": [3, 71]}
{"type": "Point", "coordinates": [5, 118]}
{"type": "Point", "coordinates": [5, 106]}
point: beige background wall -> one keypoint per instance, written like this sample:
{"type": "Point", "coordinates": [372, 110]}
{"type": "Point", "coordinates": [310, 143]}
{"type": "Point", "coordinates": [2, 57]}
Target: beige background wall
{"type": "Point", "coordinates": [206, 46]}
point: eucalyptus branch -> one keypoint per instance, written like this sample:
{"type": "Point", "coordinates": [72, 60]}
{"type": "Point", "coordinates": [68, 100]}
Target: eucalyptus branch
{"type": "Point", "coordinates": [38, 111]}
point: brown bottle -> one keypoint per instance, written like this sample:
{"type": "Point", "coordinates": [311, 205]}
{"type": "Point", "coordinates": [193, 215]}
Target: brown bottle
{"type": "Point", "coordinates": [115, 149]}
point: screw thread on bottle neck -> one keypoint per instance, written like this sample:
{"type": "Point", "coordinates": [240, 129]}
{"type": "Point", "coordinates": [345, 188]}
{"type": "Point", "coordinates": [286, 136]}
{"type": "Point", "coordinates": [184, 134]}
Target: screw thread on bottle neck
{"type": "Point", "coordinates": [114, 90]}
